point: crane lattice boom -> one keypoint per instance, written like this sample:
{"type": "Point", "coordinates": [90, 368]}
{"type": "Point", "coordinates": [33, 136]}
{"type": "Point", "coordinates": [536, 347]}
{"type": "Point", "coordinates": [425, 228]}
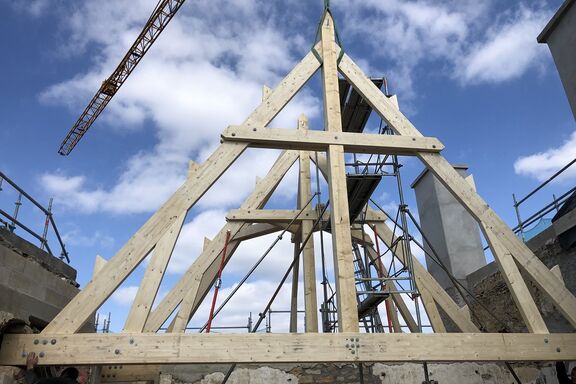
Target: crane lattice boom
{"type": "Point", "coordinates": [163, 13]}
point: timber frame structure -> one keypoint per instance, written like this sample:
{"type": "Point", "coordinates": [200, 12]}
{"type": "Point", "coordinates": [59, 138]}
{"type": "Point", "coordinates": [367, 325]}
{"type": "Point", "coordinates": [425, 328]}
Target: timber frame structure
{"type": "Point", "coordinates": [140, 344]}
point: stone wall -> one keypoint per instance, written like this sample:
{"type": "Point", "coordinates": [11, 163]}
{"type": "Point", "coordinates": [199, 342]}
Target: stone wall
{"type": "Point", "coordinates": [455, 373]}
{"type": "Point", "coordinates": [491, 291]}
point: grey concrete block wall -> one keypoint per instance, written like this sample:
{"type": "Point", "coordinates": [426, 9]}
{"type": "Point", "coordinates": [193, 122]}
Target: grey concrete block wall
{"type": "Point", "coordinates": [44, 259]}
{"type": "Point", "coordinates": [560, 35]}
{"type": "Point", "coordinates": [28, 288]}
{"type": "Point", "coordinates": [453, 233]}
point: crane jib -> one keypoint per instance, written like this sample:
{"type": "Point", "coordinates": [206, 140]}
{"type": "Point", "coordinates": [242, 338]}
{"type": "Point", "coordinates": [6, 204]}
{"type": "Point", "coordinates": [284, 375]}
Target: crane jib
{"type": "Point", "coordinates": [163, 13]}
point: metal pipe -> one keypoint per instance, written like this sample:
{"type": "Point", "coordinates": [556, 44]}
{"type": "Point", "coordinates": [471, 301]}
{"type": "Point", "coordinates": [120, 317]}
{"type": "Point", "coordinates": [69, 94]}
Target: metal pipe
{"type": "Point", "coordinates": [17, 204]}
{"type": "Point", "coordinates": [516, 208]}
{"type": "Point", "coordinates": [64, 253]}
{"type": "Point", "coordinates": [44, 210]}
{"type": "Point", "coordinates": [31, 232]}
{"type": "Point", "coordinates": [547, 181]}
{"type": "Point", "coordinates": [545, 210]}
{"type": "Point", "coordinates": [46, 223]}
{"type": "Point", "coordinates": [16, 187]}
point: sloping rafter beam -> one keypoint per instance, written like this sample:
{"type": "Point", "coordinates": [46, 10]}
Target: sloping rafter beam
{"type": "Point", "coordinates": [556, 292]}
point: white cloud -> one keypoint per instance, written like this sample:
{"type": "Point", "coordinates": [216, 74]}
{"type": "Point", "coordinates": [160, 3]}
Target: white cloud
{"type": "Point", "coordinates": [125, 295]}
{"type": "Point", "coordinates": [75, 237]}
{"type": "Point", "coordinates": [464, 39]}
{"type": "Point", "coordinates": [191, 239]}
{"type": "Point", "coordinates": [508, 51]}
{"type": "Point", "coordinates": [198, 78]}
{"type": "Point", "coordinates": [33, 8]}
{"type": "Point", "coordinates": [542, 165]}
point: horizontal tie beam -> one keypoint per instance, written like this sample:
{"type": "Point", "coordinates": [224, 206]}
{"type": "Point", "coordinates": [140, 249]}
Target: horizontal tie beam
{"type": "Point", "coordinates": [309, 140]}
{"type": "Point", "coordinates": [286, 216]}
{"type": "Point", "coordinates": [100, 349]}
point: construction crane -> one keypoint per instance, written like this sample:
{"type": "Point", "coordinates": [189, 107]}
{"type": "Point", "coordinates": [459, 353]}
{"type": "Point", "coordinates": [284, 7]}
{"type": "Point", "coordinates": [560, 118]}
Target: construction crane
{"type": "Point", "coordinates": [163, 13]}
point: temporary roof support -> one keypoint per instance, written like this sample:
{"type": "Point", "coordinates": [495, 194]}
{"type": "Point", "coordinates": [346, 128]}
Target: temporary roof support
{"type": "Point", "coordinates": [60, 344]}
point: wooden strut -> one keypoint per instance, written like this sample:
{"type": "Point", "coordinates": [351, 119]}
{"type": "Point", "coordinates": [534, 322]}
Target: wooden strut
{"type": "Point", "coordinates": [138, 344]}
{"type": "Point", "coordinates": [218, 282]}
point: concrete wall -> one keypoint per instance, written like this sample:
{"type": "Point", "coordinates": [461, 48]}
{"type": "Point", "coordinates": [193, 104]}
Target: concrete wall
{"type": "Point", "coordinates": [32, 283]}
{"type": "Point", "coordinates": [453, 233]}
{"type": "Point", "coordinates": [562, 42]}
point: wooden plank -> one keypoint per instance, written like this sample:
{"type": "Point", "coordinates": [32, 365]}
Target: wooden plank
{"type": "Point", "coordinates": [285, 216]}
{"type": "Point", "coordinates": [271, 215]}
{"type": "Point", "coordinates": [84, 349]}
{"type": "Point", "coordinates": [432, 310]}
{"type": "Point", "coordinates": [282, 138]}
{"type": "Point", "coordinates": [557, 272]}
{"type": "Point", "coordinates": [392, 312]}
{"type": "Point", "coordinates": [71, 318]}
{"type": "Point", "coordinates": [261, 229]}
{"type": "Point", "coordinates": [307, 226]}
{"type": "Point", "coordinates": [516, 284]}
{"type": "Point", "coordinates": [340, 218]}
{"type": "Point", "coordinates": [555, 291]}
{"type": "Point", "coordinates": [294, 295]}
{"type": "Point", "coordinates": [118, 373]}
{"type": "Point", "coordinates": [99, 263]}
{"type": "Point", "coordinates": [193, 280]}
{"type": "Point", "coordinates": [192, 168]}
{"type": "Point", "coordinates": [266, 92]}
{"type": "Point", "coordinates": [152, 278]}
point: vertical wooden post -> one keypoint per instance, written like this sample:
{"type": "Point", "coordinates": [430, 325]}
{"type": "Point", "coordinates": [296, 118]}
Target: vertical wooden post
{"type": "Point", "coordinates": [308, 258]}
{"type": "Point", "coordinates": [294, 298]}
{"type": "Point", "coordinates": [340, 217]}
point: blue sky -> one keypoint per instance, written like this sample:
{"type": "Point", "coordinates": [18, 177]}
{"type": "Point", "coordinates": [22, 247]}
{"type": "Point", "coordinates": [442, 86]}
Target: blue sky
{"type": "Point", "coordinates": [470, 74]}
